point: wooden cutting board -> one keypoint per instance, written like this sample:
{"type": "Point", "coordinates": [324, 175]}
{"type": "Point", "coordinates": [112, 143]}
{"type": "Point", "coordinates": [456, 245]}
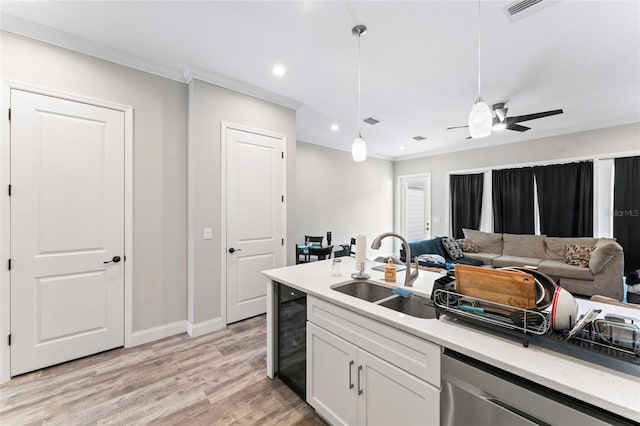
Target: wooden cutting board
{"type": "Point", "coordinates": [506, 287]}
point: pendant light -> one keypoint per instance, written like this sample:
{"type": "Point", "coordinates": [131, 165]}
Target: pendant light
{"type": "Point", "coordinates": [480, 118]}
{"type": "Point", "coordinates": [359, 147]}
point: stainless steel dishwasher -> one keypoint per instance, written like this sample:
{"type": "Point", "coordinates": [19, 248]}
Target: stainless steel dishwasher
{"type": "Point", "coordinates": [477, 393]}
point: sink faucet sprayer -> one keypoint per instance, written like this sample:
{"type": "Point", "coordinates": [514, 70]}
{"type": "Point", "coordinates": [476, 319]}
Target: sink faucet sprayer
{"type": "Point", "coordinates": [409, 276]}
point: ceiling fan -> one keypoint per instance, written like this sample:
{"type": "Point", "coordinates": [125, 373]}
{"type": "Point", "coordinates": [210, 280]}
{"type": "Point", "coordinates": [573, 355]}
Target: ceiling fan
{"type": "Point", "coordinates": [501, 121]}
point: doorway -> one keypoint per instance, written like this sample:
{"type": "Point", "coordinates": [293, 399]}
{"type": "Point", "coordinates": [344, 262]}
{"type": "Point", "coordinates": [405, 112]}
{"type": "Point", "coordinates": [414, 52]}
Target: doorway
{"type": "Point", "coordinates": [255, 240]}
{"type": "Point", "coordinates": [67, 226]}
{"type": "Point", "coordinates": [414, 206]}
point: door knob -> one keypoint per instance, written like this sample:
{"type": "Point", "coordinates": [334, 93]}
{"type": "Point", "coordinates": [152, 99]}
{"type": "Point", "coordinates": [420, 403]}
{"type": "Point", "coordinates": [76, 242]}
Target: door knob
{"type": "Point", "coordinates": [115, 259]}
{"type": "Point", "coordinates": [232, 250]}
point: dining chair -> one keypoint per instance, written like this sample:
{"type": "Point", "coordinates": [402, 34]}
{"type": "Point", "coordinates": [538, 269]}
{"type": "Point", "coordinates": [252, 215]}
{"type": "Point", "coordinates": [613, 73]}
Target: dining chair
{"type": "Point", "coordinates": [301, 255]}
{"type": "Point", "coordinates": [321, 253]}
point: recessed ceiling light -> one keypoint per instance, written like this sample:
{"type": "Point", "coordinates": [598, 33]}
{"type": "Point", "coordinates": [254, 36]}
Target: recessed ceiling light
{"type": "Point", "coordinates": [402, 148]}
{"type": "Point", "coordinates": [335, 127]}
{"type": "Point", "coordinates": [279, 70]}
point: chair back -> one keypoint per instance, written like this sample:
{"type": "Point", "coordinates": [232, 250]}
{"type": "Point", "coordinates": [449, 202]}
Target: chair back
{"type": "Point", "coordinates": [352, 247]}
{"type": "Point", "coordinates": [313, 240]}
{"type": "Point", "coordinates": [321, 253]}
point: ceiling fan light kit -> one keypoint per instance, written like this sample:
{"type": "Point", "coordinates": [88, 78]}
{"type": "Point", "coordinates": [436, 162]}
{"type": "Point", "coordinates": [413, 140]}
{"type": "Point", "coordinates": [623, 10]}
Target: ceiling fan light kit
{"type": "Point", "coordinates": [480, 119]}
{"type": "Point", "coordinates": [359, 147]}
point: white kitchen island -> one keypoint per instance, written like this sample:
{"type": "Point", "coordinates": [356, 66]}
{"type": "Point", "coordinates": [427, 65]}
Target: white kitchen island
{"type": "Point", "coordinates": [371, 330]}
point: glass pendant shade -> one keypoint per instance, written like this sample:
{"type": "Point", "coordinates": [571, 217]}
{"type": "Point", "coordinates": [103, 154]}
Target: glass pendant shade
{"type": "Point", "coordinates": [480, 119]}
{"type": "Point", "coordinates": [359, 149]}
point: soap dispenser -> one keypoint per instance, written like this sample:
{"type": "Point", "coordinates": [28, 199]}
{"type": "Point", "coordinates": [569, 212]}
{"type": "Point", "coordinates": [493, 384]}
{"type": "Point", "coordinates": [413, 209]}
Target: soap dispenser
{"type": "Point", "coordinates": [390, 272]}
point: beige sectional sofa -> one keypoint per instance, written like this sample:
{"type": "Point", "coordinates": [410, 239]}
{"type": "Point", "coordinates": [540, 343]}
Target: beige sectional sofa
{"type": "Point", "coordinates": [603, 276]}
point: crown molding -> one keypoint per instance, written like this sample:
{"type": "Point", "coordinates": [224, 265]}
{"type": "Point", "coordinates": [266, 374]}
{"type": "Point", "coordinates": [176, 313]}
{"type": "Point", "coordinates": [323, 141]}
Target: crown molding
{"type": "Point", "coordinates": [541, 135]}
{"type": "Point", "coordinates": [190, 72]}
{"type": "Point", "coordinates": [48, 35]}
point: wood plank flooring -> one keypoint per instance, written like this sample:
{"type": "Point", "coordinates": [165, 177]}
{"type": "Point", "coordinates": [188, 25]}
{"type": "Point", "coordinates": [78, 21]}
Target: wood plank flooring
{"type": "Point", "coordinates": [216, 379]}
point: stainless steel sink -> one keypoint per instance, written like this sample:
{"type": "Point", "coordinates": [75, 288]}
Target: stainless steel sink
{"type": "Point", "coordinates": [365, 290]}
{"type": "Point", "coordinates": [415, 306]}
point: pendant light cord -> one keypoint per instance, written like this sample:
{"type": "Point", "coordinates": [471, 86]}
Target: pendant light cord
{"type": "Point", "coordinates": [479, 32]}
{"type": "Point", "coordinates": [359, 134]}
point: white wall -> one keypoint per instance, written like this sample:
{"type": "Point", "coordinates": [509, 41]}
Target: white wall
{"type": "Point", "coordinates": [336, 194]}
{"type": "Point", "coordinates": [159, 164]}
{"type": "Point", "coordinates": [210, 105]}
{"type": "Point", "coordinates": [589, 144]}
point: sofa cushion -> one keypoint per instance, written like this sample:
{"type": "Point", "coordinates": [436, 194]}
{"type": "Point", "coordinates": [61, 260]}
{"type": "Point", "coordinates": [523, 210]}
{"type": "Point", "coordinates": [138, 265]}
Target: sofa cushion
{"type": "Point", "coordinates": [523, 245]}
{"type": "Point", "coordinates": [454, 250]}
{"type": "Point", "coordinates": [578, 255]}
{"type": "Point", "coordinates": [468, 261]}
{"type": "Point", "coordinates": [557, 268]}
{"type": "Point", "coordinates": [602, 253]}
{"type": "Point", "coordinates": [556, 247]}
{"type": "Point", "coordinates": [487, 242]}
{"type": "Point", "coordinates": [467, 246]}
{"type": "Point", "coordinates": [503, 261]}
{"type": "Point", "coordinates": [485, 258]}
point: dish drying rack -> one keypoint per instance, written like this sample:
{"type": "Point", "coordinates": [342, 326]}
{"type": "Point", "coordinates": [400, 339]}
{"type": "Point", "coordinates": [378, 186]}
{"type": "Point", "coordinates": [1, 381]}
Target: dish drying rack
{"type": "Point", "coordinates": [606, 336]}
{"type": "Point", "coordinates": [522, 323]}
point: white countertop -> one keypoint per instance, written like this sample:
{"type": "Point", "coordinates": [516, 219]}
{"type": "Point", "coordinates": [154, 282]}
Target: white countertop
{"type": "Point", "coordinates": [600, 386]}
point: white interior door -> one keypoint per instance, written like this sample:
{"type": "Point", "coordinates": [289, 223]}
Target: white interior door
{"type": "Point", "coordinates": [67, 220]}
{"type": "Point", "coordinates": [415, 207]}
{"type": "Point", "coordinates": [255, 211]}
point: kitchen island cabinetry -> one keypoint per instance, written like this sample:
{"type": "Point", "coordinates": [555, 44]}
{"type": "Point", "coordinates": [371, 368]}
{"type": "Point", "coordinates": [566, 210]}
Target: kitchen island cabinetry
{"type": "Point", "coordinates": [351, 384]}
{"type": "Point", "coordinates": [396, 349]}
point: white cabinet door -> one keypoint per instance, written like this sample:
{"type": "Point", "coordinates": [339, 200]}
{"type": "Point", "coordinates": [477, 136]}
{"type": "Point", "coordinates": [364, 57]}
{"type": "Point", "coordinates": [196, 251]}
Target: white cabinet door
{"type": "Point", "coordinates": [391, 396]}
{"type": "Point", "coordinates": [331, 376]}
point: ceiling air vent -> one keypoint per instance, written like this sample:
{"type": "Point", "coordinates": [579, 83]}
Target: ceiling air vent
{"type": "Point", "coordinates": [372, 120]}
{"type": "Point", "coordinates": [524, 8]}
{"type": "Point", "coordinates": [419, 138]}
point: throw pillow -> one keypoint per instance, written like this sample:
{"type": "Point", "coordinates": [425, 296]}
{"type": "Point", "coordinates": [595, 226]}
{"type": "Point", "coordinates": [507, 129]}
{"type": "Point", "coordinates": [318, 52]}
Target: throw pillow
{"type": "Point", "coordinates": [578, 255]}
{"type": "Point", "coordinates": [432, 258]}
{"type": "Point", "coordinates": [467, 245]}
{"type": "Point", "coordinates": [452, 248]}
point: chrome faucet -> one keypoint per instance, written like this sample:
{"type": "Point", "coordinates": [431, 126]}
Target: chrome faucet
{"type": "Point", "coordinates": [409, 277]}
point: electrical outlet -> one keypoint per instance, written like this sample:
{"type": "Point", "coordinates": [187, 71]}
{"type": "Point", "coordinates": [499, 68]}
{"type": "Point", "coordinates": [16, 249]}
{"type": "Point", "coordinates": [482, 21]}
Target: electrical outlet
{"type": "Point", "coordinates": [207, 233]}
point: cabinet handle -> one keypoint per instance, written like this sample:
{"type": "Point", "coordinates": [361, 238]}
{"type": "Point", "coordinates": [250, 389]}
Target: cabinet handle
{"type": "Point", "coordinates": [350, 378]}
{"type": "Point", "coordinates": [359, 387]}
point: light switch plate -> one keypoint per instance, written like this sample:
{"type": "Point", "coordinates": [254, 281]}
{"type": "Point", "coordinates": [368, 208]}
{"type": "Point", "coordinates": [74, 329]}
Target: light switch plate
{"type": "Point", "coordinates": [207, 233]}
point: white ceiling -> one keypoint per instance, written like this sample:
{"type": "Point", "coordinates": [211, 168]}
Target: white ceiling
{"type": "Point", "coordinates": [419, 60]}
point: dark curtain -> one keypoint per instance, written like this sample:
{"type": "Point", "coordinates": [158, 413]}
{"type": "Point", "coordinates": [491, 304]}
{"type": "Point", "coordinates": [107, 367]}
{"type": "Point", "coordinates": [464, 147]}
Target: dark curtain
{"type": "Point", "coordinates": [466, 202]}
{"type": "Point", "coordinates": [626, 210]}
{"type": "Point", "coordinates": [513, 201]}
{"type": "Point", "coordinates": [565, 199]}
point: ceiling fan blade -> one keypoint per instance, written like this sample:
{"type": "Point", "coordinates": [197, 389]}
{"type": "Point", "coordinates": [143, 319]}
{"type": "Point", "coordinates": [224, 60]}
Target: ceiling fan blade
{"type": "Point", "coordinates": [517, 127]}
{"type": "Point", "coordinates": [527, 117]}
{"type": "Point", "coordinates": [456, 127]}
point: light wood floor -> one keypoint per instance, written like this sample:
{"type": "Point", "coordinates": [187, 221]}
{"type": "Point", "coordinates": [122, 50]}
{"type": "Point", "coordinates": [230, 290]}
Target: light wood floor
{"type": "Point", "coordinates": [216, 379]}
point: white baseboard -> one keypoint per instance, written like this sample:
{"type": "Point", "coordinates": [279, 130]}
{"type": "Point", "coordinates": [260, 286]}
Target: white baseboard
{"type": "Point", "coordinates": [204, 327]}
{"type": "Point", "coordinates": [159, 332]}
